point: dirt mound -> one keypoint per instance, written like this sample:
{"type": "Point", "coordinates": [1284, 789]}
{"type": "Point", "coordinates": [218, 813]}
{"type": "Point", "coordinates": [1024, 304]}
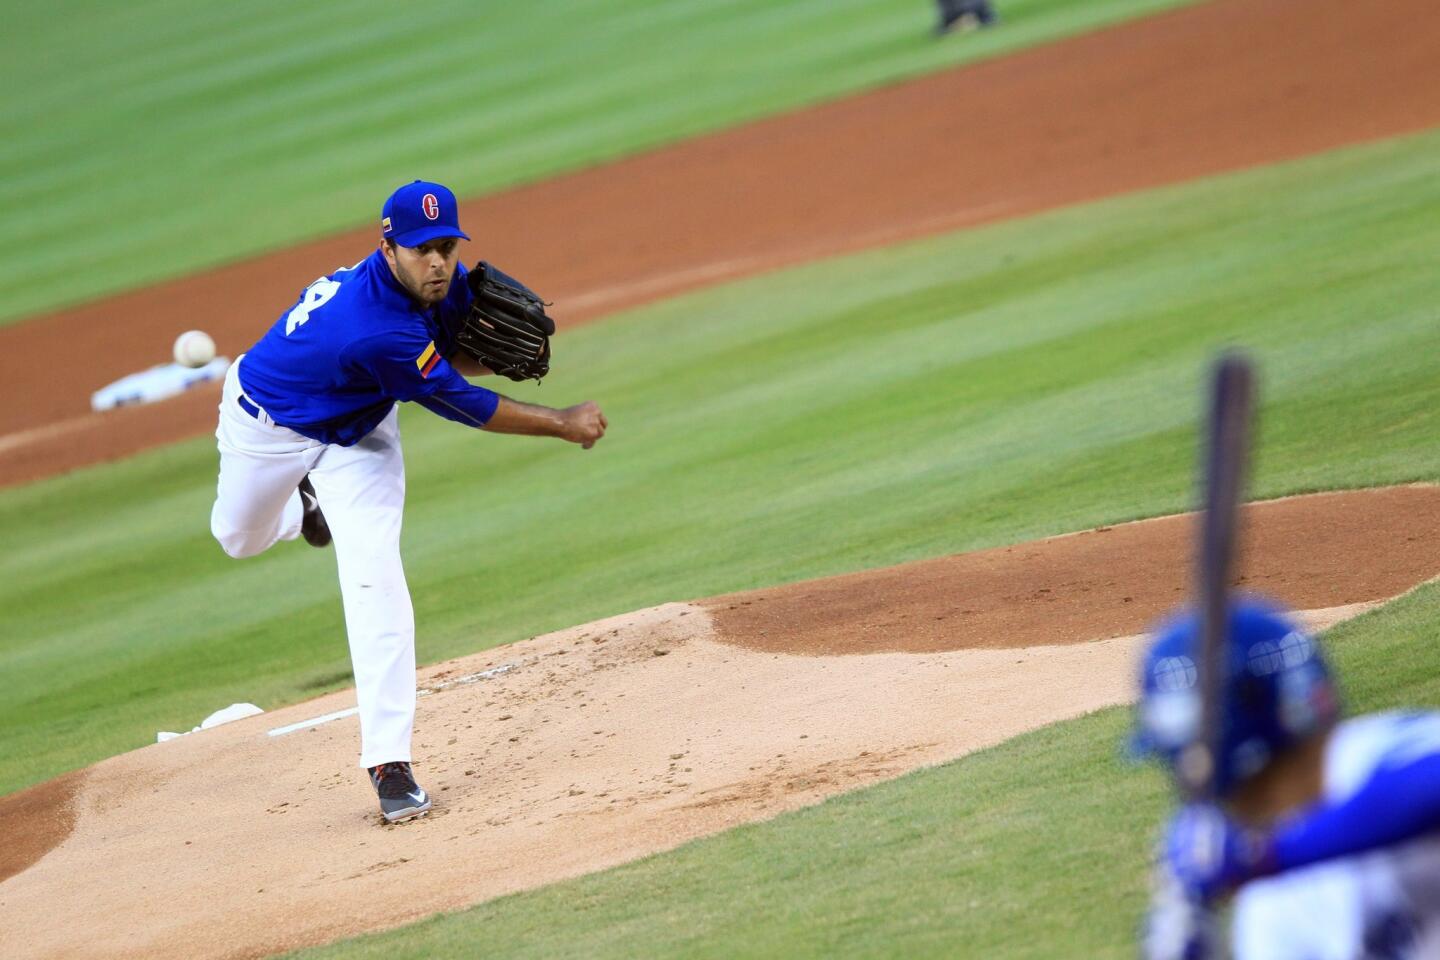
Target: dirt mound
{"type": "Point", "coordinates": [47, 812]}
{"type": "Point", "coordinates": [1213, 87]}
{"type": "Point", "coordinates": [1324, 550]}
{"type": "Point", "coordinates": [597, 745]}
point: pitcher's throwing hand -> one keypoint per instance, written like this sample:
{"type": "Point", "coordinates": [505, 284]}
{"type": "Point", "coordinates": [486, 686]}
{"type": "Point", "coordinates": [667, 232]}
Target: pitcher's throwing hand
{"type": "Point", "coordinates": [585, 424]}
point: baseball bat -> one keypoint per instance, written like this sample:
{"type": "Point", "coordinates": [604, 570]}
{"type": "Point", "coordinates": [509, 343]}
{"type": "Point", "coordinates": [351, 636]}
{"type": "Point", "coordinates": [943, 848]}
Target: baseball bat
{"type": "Point", "coordinates": [1226, 452]}
{"type": "Point", "coordinates": [1188, 929]}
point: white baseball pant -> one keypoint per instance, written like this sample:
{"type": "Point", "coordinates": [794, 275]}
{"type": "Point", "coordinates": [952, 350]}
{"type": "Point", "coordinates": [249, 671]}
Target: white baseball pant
{"type": "Point", "coordinates": [361, 490]}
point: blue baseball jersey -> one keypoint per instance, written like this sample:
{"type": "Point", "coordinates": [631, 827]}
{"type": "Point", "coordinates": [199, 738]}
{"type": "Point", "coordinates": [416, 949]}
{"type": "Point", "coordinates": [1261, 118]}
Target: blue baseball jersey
{"type": "Point", "coordinates": [335, 363]}
{"type": "Point", "coordinates": [1384, 902]}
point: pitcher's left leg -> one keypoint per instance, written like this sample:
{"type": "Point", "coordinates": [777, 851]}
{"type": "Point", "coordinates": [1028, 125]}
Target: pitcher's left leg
{"type": "Point", "coordinates": [362, 491]}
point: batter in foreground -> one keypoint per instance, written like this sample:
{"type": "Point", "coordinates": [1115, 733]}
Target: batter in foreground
{"type": "Point", "coordinates": [1326, 829]}
{"type": "Point", "coordinates": [310, 445]}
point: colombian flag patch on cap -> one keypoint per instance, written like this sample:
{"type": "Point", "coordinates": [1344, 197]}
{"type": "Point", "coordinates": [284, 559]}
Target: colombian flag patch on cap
{"type": "Point", "coordinates": [427, 360]}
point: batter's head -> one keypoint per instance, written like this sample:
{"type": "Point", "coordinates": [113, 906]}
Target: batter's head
{"type": "Point", "coordinates": [1276, 690]}
{"type": "Point", "coordinates": [420, 212]}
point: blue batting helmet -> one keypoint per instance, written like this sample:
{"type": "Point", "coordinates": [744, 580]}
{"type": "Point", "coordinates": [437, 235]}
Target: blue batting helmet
{"type": "Point", "coordinates": [1275, 692]}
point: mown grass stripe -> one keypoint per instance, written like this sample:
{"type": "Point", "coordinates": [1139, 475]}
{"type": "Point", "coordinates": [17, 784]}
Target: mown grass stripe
{"type": "Point", "coordinates": [166, 138]}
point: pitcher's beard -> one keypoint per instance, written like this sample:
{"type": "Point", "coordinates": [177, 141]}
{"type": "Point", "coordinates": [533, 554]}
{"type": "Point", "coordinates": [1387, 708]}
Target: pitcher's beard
{"type": "Point", "coordinates": [419, 289]}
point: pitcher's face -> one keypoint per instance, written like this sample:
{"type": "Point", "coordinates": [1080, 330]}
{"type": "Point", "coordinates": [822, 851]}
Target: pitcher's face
{"type": "Point", "coordinates": [425, 271]}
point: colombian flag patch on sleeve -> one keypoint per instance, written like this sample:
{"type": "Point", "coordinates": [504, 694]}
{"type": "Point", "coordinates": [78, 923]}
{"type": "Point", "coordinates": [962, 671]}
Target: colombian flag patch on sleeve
{"type": "Point", "coordinates": [427, 360]}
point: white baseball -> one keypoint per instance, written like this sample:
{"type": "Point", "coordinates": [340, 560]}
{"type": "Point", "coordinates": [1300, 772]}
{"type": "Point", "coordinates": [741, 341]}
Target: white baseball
{"type": "Point", "coordinates": [194, 348]}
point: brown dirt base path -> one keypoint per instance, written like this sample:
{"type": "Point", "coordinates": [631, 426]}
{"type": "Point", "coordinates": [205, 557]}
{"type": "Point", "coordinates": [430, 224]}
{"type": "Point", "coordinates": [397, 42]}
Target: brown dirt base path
{"type": "Point", "coordinates": [597, 745]}
{"type": "Point", "coordinates": [1218, 86]}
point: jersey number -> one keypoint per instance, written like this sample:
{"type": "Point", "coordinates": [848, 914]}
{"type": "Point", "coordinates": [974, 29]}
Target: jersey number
{"type": "Point", "coordinates": [313, 298]}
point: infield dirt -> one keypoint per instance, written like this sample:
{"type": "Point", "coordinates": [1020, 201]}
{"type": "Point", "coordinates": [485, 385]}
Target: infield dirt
{"type": "Point", "coordinates": [1218, 86]}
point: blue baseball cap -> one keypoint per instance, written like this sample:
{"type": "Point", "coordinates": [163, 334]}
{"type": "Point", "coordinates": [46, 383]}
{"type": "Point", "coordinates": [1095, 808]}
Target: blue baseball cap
{"type": "Point", "coordinates": [420, 212]}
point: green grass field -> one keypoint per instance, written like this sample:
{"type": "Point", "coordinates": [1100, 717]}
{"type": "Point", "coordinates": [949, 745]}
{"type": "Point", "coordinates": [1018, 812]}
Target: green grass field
{"type": "Point", "coordinates": [988, 387]}
{"type": "Point", "coordinates": [984, 388]}
{"type": "Point", "coordinates": [156, 138]}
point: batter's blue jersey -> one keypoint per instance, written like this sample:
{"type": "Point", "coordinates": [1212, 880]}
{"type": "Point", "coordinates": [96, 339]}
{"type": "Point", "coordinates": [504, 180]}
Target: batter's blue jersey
{"type": "Point", "coordinates": [354, 343]}
{"type": "Point", "coordinates": [1382, 903]}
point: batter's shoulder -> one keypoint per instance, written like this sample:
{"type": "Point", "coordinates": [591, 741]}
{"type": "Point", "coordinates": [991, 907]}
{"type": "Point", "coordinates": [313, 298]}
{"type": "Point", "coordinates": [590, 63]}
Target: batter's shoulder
{"type": "Point", "coordinates": [1362, 745]}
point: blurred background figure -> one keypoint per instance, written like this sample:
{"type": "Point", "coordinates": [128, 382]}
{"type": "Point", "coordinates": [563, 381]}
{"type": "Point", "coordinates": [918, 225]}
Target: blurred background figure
{"type": "Point", "coordinates": [962, 16]}
{"type": "Point", "coordinates": [1326, 829]}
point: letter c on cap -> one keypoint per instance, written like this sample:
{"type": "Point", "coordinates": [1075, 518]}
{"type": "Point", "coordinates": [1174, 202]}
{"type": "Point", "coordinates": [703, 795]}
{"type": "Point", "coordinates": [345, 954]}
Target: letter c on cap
{"type": "Point", "coordinates": [431, 207]}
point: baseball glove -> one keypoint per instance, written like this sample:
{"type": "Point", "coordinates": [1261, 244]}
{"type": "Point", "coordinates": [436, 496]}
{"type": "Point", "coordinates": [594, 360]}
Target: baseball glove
{"type": "Point", "coordinates": [507, 329]}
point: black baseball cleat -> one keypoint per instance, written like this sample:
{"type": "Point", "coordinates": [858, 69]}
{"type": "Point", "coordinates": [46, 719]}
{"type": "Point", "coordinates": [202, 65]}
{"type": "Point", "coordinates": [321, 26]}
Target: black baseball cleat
{"type": "Point", "coordinates": [401, 798]}
{"type": "Point", "coordinates": [313, 526]}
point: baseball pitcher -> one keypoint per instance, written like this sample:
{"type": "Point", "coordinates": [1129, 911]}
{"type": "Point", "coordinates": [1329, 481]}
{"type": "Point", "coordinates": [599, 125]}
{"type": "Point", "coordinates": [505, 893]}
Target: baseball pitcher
{"type": "Point", "coordinates": [310, 444]}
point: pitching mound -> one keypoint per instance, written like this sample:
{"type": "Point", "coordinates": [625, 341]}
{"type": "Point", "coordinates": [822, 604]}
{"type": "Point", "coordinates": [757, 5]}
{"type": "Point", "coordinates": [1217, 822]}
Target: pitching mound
{"type": "Point", "coordinates": [593, 746]}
